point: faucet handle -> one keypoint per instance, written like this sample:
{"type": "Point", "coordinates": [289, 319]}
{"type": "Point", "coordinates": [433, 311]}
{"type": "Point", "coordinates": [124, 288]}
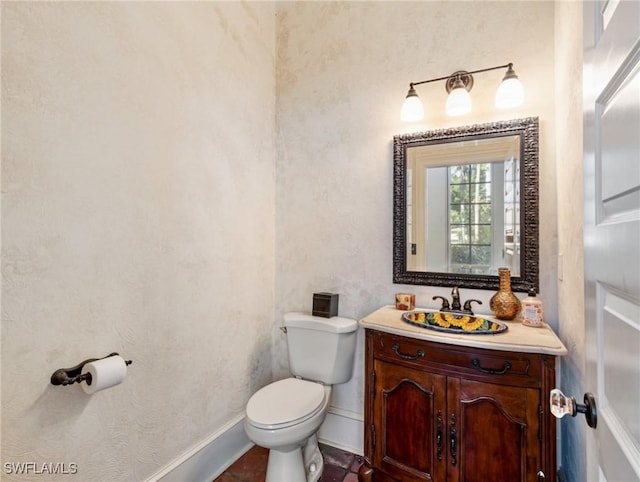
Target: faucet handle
{"type": "Point", "coordinates": [445, 302]}
{"type": "Point", "coordinates": [467, 306]}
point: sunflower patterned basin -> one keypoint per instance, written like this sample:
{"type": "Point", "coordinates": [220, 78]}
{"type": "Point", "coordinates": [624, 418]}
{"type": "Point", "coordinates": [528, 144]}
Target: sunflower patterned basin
{"type": "Point", "coordinates": [454, 323]}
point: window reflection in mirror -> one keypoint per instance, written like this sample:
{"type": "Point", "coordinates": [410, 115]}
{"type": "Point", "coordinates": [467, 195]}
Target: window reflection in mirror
{"type": "Point", "coordinates": [463, 215]}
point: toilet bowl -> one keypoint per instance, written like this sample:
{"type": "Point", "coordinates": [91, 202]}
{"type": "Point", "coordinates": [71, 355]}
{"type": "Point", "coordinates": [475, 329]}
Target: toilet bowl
{"type": "Point", "coordinates": [284, 417]}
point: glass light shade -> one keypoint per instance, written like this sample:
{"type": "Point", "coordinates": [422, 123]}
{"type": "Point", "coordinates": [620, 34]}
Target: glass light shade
{"type": "Point", "coordinates": [459, 101]}
{"type": "Point", "coordinates": [412, 109]}
{"type": "Point", "coordinates": [510, 93]}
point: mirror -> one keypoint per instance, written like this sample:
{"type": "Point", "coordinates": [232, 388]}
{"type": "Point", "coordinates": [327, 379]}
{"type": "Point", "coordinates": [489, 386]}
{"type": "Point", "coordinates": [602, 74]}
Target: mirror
{"type": "Point", "coordinates": [466, 204]}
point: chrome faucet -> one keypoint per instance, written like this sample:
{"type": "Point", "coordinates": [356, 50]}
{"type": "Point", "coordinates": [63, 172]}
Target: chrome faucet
{"type": "Point", "coordinates": [455, 306]}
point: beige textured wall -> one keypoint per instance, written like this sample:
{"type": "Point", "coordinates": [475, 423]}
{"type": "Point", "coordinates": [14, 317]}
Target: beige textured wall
{"type": "Point", "coordinates": [137, 135]}
{"type": "Point", "coordinates": [138, 199]}
{"type": "Point", "coordinates": [343, 70]}
{"type": "Point", "coordinates": [571, 302]}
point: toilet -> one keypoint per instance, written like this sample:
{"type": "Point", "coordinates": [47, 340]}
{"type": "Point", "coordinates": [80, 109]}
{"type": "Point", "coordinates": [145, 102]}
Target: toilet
{"type": "Point", "coordinates": [285, 416]}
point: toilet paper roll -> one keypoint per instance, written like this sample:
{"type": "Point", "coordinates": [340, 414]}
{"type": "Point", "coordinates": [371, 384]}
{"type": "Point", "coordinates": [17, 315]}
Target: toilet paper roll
{"type": "Point", "coordinates": [105, 373]}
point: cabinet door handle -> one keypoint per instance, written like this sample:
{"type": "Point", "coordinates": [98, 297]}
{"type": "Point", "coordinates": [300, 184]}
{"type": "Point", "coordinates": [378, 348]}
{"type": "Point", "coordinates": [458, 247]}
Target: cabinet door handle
{"type": "Point", "coordinates": [453, 441]}
{"type": "Point", "coordinates": [506, 366]}
{"type": "Point", "coordinates": [541, 477]}
{"type": "Point", "coordinates": [439, 435]}
{"type": "Point", "coordinates": [396, 349]}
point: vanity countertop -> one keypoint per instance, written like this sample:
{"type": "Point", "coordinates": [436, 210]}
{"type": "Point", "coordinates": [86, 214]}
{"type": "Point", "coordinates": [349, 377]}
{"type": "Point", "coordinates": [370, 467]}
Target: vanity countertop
{"type": "Point", "coordinates": [518, 337]}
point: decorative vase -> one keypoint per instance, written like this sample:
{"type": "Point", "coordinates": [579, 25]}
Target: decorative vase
{"type": "Point", "coordinates": [504, 304]}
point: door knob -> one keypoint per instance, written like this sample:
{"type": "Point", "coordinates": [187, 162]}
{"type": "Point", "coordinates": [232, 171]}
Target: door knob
{"type": "Point", "coordinates": [562, 405]}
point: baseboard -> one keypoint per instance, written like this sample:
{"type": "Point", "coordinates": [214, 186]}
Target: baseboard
{"type": "Point", "coordinates": [210, 458]}
{"type": "Point", "coordinates": [561, 476]}
{"type": "Point", "coordinates": [343, 429]}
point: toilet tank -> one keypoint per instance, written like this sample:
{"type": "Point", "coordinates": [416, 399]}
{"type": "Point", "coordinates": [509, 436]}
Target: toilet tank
{"type": "Point", "coordinates": [321, 349]}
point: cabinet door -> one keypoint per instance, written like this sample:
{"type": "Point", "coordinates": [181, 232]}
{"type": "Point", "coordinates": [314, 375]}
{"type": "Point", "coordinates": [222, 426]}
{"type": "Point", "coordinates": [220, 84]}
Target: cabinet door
{"type": "Point", "coordinates": [493, 432]}
{"type": "Point", "coordinates": [409, 412]}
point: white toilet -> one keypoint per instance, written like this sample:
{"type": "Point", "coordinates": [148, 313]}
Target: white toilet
{"type": "Point", "coordinates": [285, 415]}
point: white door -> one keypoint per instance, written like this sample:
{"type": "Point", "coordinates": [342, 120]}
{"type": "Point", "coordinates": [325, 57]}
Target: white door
{"type": "Point", "coordinates": [612, 235]}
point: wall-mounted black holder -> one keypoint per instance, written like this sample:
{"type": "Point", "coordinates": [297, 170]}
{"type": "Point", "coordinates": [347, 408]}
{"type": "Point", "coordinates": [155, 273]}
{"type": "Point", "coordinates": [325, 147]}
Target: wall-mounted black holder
{"type": "Point", "coordinates": [68, 376]}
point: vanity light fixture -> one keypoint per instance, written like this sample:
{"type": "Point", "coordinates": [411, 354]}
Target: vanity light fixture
{"type": "Point", "coordinates": [510, 93]}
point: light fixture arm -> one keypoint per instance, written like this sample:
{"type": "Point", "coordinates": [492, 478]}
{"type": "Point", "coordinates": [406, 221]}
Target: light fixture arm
{"type": "Point", "coordinates": [509, 65]}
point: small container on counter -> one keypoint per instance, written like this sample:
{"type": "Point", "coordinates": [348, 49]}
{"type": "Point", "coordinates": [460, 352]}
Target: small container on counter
{"type": "Point", "coordinates": [405, 301]}
{"type": "Point", "coordinates": [532, 313]}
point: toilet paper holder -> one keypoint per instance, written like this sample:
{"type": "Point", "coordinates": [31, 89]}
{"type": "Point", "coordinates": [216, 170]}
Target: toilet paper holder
{"type": "Point", "coordinates": [68, 376]}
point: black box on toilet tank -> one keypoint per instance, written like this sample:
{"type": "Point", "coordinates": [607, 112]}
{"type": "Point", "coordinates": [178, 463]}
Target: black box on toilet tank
{"type": "Point", "coordinates": [325, 304]}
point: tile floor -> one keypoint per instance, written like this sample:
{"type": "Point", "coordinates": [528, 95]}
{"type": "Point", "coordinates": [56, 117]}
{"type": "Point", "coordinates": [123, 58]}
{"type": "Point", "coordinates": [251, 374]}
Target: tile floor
{"type": "Point", "coordinates": [339, 466]}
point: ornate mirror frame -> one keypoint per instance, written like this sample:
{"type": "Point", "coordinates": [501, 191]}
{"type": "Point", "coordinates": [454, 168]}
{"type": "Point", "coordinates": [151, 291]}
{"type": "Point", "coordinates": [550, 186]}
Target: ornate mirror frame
{"type": "Point", "coordinates": [527, 129]}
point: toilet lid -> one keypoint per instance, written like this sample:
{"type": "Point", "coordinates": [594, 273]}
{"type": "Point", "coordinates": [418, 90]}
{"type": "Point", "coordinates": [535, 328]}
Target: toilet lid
{"type": "Point", "coordinates": [284, 403]}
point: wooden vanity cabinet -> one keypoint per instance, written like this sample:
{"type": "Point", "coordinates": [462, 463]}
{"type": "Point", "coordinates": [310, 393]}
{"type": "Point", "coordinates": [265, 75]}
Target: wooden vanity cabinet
{"type": "Point", "coordinates": [441, 412]}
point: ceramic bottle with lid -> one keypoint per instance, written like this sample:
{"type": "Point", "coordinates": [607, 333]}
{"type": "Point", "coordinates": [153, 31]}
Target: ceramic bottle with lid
{"type": "Point", "coordinates": [532, 314]}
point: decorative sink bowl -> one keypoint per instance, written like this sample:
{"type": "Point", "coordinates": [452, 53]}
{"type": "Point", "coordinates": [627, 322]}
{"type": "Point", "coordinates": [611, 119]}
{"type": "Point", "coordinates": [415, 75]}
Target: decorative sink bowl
{"type": "Point", "coordinates": [454, 323]}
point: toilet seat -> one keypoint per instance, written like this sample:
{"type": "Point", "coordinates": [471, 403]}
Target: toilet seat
{"type": "Point", "coordinates": [285, 403]}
